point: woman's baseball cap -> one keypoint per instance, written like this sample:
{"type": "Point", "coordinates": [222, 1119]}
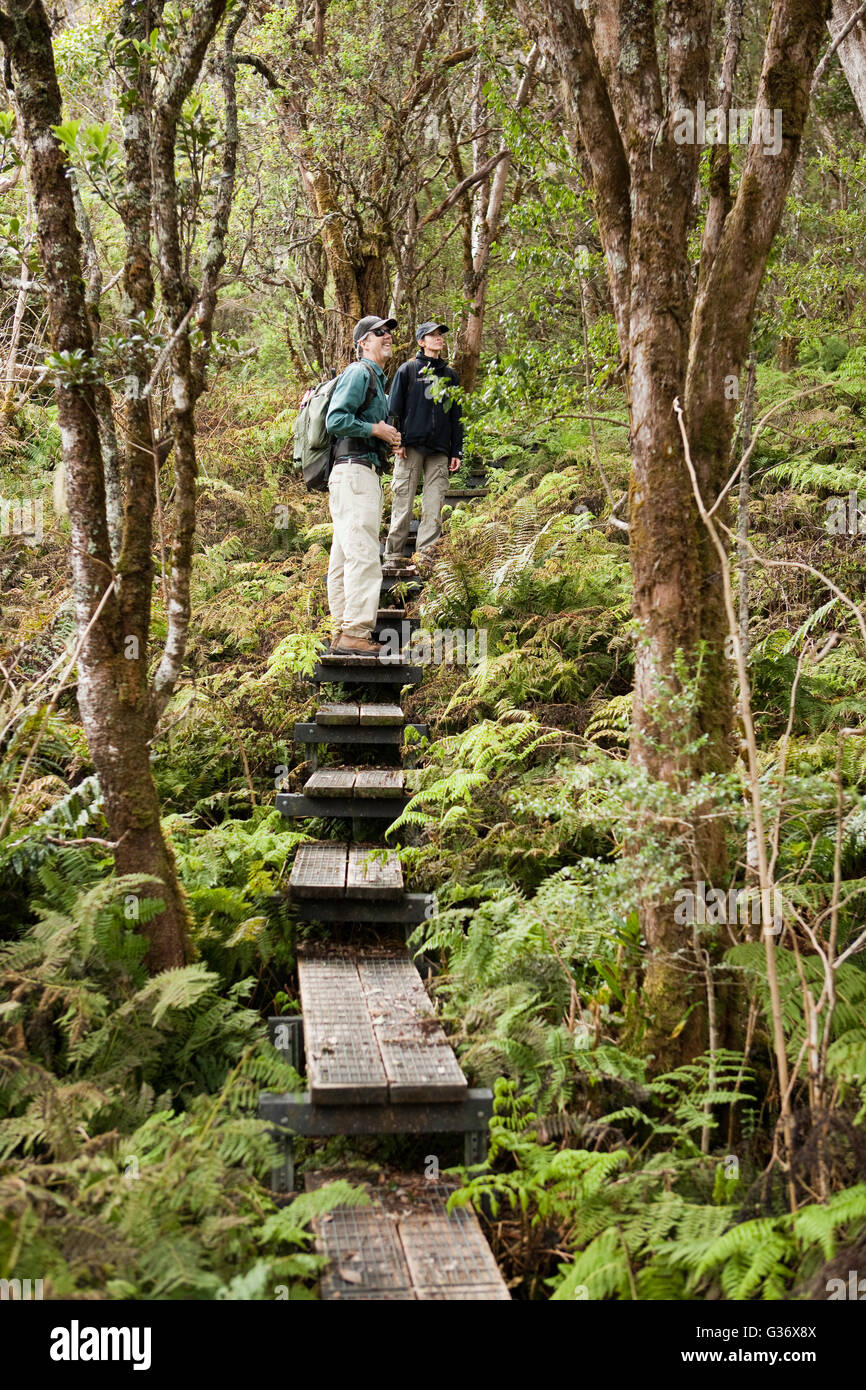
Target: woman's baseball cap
{"type": "Point", "coordinates": [430, 327]}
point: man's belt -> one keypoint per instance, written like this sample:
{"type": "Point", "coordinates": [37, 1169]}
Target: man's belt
{"type": "Point", "coordinates": [348, 450]}
{"type": "Point", "coordinates": [357, 458]}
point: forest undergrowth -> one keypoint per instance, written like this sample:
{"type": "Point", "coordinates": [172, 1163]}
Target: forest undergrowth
{"type": "Point", "coordinates": [132, 1161]}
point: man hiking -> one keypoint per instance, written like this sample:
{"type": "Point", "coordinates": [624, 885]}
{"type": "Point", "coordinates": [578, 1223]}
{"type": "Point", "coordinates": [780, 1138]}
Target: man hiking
{"type": "Point", "coordinates": [357, 419]}
{"type": "Point", "coordinates": [431, 426]}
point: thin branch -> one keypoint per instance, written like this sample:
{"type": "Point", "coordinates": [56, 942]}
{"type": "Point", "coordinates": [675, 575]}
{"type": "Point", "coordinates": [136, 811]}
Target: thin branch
{"type": "Point", "coordinates": [757, 807]}
{"type": "Point", "coordinates": [470, 181]}
{"type": "Point", "coordinates": [839, 39]}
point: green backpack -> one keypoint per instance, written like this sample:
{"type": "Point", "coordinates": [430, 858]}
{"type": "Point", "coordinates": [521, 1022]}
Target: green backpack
{"type": "Point", "coordinates": [314, 447]}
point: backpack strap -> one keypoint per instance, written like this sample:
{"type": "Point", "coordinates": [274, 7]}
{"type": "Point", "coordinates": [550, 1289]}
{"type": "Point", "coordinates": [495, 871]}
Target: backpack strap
{"type": "Point", "coordinates": [372, 383]}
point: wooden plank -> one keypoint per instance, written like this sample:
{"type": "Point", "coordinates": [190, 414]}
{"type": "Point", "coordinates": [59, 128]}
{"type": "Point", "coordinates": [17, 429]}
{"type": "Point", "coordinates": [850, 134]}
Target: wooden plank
{"type": "Point", "coordinates": [404, 571]}
{"type": "Point", "coordinates": [331, 781]}
{"type": "Point", "coordinates": [376, 671]}
{"type": "Point", "coordinates": [390, 615]}
{"type": "Point", "coordinates": [383, 809]}
{"type": "Point", "coordinates": [319, 870]}
{"type": "Point", "coordinates": [479, 1293]}
{"type": "Point", "coordinates": [370, 736]}
{"type": "Point", "coordinates": [337, 714]}
{"type": "Point", "coordinates": [373, 878]}
{"type": "Point", "coordinates": [295, 1111]}
{"type": "Point", "coordinates": [379, 782]}
{"type": "Point", "coordinates": [344, 1065]}
{"type": "Point", "coordinates": [405, 1246]}
{"type": "Point", "coordinates": [418, 1060]}
{"type": "Point", "coordinates": [409, 909]}
{"type": "Point", "coordinates": [335, 659]}
{"type": "Point", "coordinates": [363, 1245]}
{"type": "Point", "coordinates": [447, 1251]}
{"type": "Point", "coordinates": [380, 716]}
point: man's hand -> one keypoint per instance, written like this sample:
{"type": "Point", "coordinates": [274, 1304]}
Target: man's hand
{"type": "Point", "coordinates": [386, 432]}
{"type": "Point", "coordinates": [400, 453]}
{"type": "Point", "coordinates": [453, 465]}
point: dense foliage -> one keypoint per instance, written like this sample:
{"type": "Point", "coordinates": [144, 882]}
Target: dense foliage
{"type": "Point", "coordinates": [131, 1161]}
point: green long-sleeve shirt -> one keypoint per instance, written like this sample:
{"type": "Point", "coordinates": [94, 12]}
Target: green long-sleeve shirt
{"type": "Point", "coordinates": [346, 420]}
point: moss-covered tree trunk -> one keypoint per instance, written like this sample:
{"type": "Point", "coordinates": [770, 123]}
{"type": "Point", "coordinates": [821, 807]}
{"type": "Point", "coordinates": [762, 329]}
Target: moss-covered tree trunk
{"type": "Point", "coordinates": [679, 338]}
{"type": "Point", "coordinates": [112, 593]}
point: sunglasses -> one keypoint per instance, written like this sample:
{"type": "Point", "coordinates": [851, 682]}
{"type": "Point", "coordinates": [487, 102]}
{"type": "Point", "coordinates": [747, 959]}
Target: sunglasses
{"type": "Point", "coordinates": [381, 332]}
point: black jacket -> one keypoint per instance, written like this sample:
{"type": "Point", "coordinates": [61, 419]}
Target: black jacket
{"type": "Point", "coordinates": [424, 423]}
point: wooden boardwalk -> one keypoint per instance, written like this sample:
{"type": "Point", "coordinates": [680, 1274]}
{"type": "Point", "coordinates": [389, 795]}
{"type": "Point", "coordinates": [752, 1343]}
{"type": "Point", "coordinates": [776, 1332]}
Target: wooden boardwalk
{"type": "Point", "coordinates": [371, 1035]}
{"type": "Point", "coordinates": [326, 869]}
{"type": "Point", "coordinates": [367, 716]}
{"type": "Point", "coordinates": [406, 1248]}
{"type": "Point", "coordinates": [376, 1056]}
{"type": "Point", "coordinates": [364, 782]}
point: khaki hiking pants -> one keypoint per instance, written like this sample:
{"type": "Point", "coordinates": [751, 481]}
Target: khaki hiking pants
{"type": "Point", "coordinates": [404, 485]}
{"type": "Point", "coordinates": [355, 570]}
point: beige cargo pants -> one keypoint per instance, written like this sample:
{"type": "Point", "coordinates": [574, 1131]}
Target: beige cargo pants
{"type": "Point", "coordinates": [355, 570]}
{"type": "Point", "coordinates": [404, 485]}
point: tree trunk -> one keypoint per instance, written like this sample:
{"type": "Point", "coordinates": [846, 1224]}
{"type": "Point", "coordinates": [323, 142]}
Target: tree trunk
{"type": "Point", "coordinates": [112, 605]}
{"type": "Point", "coordinates": [852, 49]}
{"type": "Point", "coordinates": [487, 203]}
{"type": "Point", "coordinates": [677, 342]}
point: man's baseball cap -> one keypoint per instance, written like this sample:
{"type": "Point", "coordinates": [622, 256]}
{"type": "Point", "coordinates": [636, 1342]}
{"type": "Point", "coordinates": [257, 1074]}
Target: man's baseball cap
{"type": "Point", "coordinates": [430, 327]}
{"type": "Point", "coordinates": [365, 326]}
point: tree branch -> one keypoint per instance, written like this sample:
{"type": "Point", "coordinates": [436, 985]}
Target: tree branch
{"type": "Point", "coordinates": [470, 181]}
{"type": "Point", "coordinates": [839, 39]}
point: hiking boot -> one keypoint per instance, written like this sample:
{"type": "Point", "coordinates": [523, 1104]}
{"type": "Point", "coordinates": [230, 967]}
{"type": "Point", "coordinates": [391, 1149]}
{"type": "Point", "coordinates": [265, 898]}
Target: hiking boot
{"type": "Point", "coordinates": [356, 646]}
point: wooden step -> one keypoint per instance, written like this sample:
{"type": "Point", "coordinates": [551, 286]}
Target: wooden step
{"type": "Point", "coordinates": [391, 617]}
{"type": "Point", "coordinates": [465, 494]}
{"type": "Point", "coordinates": [295, 1111]}
{"type": "Point", "coordinates": [332, 714]}
{"type": "Point", "coordinates": [344, 1065]}
{"type": "Point", "coordinates": [407, 552]}
{"type": "Point", "coordinates": [380, 716]}
{"type": "Point", "coordinates": [380, 782]}
{"type": "Point", "coordinates": [340, 783]}
{"type": "Point", "coordinates": [408, 910]}
{"type": "Point", "coordinates": [359, 660]}
{"type": "Point", "coordinates": [330, 869]}
{"type": "Point", "coordinates": [381, 1000]}
{"type": "Point", "coordinates": [331, 781]}
{"type": "Point", "coordinates": [367, 735]}
{"type": "Point", "coordinates": [398, 563]}
{"type": "Point", "coordinates": [366, 670]}
{"type": "Point", "coordinates": [404, 573]}
{"type": "Point", "coordinates": [397, 636]}
{"type": "Point", "coordinates": [369, 716]}
{"type": "Point", "coordinates": [367, 877]}
{"type": "Point", "coordinates": [384, 810]}
{"type": "Point", "coordinates": [391, 578]}
{"type": "Point", "coordinates": [418, 1060]}
{"type": "Point", "coordinates": [406, 1247]}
